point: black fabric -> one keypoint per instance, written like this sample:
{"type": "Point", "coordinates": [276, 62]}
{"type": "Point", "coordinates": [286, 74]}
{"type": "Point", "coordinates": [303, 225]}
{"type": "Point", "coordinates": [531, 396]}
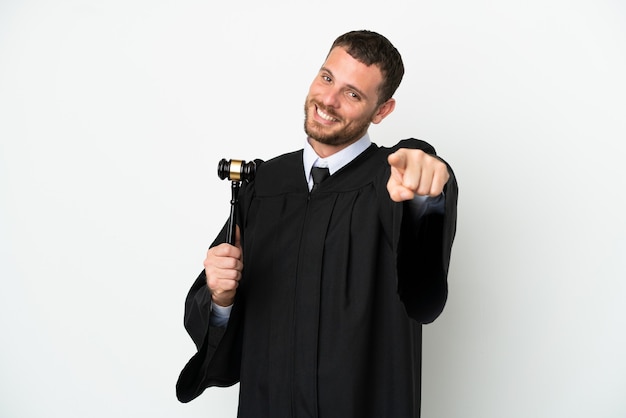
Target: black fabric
{"type": "Point", "coordinates": [335, 288]}
{"type": "Point", "coordinates": [319, 174]}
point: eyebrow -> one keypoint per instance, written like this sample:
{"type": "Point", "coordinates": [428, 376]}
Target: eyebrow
{"type": "Point", "coordinates": [350, 86]}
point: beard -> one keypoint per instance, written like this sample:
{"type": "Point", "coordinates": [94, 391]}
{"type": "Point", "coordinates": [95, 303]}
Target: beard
{"type": "Point", "coordinates": [333, 135]}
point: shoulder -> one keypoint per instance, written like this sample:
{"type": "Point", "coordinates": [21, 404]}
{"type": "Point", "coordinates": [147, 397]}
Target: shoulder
{"type": "Point", "coordinates": [280, 162]}
{"type": "Point", "coordinates": [279, 174]}
{"type": "Point", "coordinates": [285, 164]}
{"type": "Point", "coordinates": [411, 143]}
{"type": "Point", "coordinates": [372, 166]}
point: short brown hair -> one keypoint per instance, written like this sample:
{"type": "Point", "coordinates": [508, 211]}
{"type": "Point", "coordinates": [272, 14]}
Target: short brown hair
{"type": "Point", "coordinates": [373, 48]}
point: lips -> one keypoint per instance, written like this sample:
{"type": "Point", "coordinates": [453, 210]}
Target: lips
{"type": "Point", "coordinates": [324, 115]}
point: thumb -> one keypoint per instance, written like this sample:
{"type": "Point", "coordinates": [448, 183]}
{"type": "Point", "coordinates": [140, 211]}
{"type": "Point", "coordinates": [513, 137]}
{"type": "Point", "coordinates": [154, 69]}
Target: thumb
{"type": "Point", "coordinates": [237, 237]}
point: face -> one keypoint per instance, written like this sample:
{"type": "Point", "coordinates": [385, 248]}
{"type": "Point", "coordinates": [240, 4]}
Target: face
{"type": "Point", "coordinates": [343, 100]}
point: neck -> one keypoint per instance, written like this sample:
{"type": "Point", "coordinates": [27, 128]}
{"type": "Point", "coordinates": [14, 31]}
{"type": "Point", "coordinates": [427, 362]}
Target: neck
{"type": "Point", "coordinates": [326, 150]}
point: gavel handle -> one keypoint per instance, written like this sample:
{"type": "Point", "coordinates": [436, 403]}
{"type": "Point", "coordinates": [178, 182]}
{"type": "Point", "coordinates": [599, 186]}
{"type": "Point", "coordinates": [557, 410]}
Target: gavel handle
{"type": "Point", "coordinates": [232, 220]}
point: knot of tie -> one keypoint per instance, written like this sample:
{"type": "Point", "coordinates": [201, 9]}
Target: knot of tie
{"type": "Point", "coordinates": [319, 174]}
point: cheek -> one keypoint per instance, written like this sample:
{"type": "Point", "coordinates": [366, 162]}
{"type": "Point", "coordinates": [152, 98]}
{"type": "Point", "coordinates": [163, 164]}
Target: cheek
{"type": "Point", "coordinates": [315, 89]}
{"type": "Point", "coordinates": [356, 114]}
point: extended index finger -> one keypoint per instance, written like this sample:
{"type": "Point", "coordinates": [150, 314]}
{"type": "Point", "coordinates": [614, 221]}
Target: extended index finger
{"type": "Point", "coordinates": [398, 160]}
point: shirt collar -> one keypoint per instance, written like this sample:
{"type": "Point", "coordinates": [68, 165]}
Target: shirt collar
{"type": "Point", "coordinates": [334, 162]}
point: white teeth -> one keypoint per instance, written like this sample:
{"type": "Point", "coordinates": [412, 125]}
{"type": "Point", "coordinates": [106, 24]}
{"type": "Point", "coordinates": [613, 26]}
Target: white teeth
{"type": "Point", "coordinates": [324, 115]}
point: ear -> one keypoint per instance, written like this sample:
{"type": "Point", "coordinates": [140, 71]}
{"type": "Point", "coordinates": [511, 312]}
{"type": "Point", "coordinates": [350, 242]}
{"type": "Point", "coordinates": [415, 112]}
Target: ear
{"type": "Point", "coordinates": [384, 110]}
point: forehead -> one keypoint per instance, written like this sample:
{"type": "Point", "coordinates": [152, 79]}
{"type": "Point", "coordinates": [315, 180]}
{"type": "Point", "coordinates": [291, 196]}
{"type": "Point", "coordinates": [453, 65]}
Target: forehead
{"type": "Point", "coordinates": [348, 71]}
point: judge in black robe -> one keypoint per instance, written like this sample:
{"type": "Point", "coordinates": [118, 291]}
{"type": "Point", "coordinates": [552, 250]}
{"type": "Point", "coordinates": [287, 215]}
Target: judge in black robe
{"type": "Point", "coordinates": [335, 288]}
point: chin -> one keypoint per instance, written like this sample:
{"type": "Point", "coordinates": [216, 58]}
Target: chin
{"type": "Point", "coordinates": [317, 133]}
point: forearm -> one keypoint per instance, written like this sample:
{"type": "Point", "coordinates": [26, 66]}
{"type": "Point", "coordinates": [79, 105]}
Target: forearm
{"type": "Point", "coordinates": [424, 254]}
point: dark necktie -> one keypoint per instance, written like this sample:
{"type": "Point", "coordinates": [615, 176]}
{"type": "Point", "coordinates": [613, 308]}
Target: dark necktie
{"type": "Point", "coordinates": [319, 174]}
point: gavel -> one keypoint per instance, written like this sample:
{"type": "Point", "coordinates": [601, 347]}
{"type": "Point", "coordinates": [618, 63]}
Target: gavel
{"type": "Point", "coordinates": [236, 171]}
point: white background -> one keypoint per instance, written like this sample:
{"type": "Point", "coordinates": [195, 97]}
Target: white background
{"type": "Point", "coordinates": [114, 115]}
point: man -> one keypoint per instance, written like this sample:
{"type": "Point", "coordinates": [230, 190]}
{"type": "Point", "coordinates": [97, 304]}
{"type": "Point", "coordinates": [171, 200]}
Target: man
{"type": "Point", "coordinates": [317, 309]}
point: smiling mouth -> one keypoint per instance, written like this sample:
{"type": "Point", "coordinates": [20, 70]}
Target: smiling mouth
{"type": "Point", "coordinates": [324, 115]}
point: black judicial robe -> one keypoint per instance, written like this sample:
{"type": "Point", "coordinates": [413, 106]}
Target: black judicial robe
{"type": "Point", "coordinates": [336, 284]}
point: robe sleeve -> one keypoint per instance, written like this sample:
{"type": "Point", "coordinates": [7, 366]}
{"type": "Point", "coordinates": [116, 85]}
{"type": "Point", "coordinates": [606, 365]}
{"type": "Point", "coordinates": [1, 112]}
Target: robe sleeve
{"type": "Point", "coordinates": [216, 362]}
{"type": "Point", "coordinates": [423, 250]}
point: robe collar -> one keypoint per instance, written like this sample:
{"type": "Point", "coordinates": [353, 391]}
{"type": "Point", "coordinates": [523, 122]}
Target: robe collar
{"type": "Point", "coordinates": [334, 162]}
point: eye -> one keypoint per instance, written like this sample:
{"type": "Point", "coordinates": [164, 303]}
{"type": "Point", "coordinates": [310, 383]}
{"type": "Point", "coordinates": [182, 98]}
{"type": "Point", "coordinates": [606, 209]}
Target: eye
{"type": "Point", "coordinates": [353, 95]}
{"type": "Point", "coordinates": [326, 78]}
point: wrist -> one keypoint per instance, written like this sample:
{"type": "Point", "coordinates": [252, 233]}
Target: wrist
{"type": "Point", "coordinates": [222, 300]}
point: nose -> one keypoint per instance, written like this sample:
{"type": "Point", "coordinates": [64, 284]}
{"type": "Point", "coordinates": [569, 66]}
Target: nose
{"type": "Point", "coordinates": [330, 98]}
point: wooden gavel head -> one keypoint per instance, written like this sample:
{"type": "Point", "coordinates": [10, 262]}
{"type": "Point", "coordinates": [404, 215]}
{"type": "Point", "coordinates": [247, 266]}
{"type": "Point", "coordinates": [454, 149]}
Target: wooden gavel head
{"type": "Point", "coordinates": [236, 170]}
